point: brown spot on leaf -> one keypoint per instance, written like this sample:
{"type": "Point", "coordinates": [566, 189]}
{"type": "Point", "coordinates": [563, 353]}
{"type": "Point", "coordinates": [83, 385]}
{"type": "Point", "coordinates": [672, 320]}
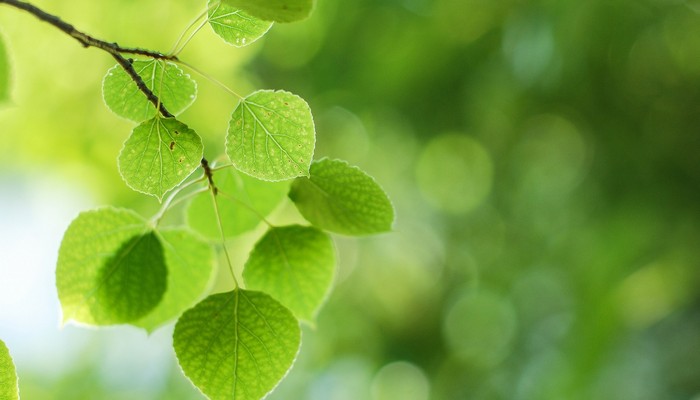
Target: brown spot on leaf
{"type": "Point", "coordinates": [172, 145]}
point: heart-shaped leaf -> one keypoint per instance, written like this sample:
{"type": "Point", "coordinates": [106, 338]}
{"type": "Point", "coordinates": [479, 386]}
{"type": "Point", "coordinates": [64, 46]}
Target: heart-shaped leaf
{"type": "Point", "coordinates": [173, 87]}
{"type": "Point", "coordinates": [295, 265]}
{"type": "Point", "coordinates": [271, 136]}
{"type": "Point", "coordinates": [275, 10]}
{"type": "Point", "coordinates": [236, 345]}
{"type": "Point", "coordinates": [342, 199]}
{"type": "Point", "coordinates": [8, 375]}
{"type": "Point", "coordinates": [110, 269]}
{"type": "Point", "coordinates": [158, 155]}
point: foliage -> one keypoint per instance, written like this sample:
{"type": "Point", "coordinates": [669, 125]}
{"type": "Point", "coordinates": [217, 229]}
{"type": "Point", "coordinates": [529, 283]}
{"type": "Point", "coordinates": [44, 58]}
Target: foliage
{"type": "Point", "coordinates": [115, 267]}
{"type": "Point", "coordinates": [4, 74]}
{"type": "Point", "coordinates": [541, 157]}
{"type": "Point", "coordinates": [8, 376]}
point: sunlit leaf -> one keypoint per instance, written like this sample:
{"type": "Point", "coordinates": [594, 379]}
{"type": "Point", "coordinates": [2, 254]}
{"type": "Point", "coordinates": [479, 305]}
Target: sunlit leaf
{"type": "Point", "coordinates": [295, 265]}
{"type": "Point", "coordinates": [4, 74]}
{"type": "Point", "coordinates": [343, 199]}
{"type": "Point", "coordinates": [175, 89]}
{"type": "Point", "coordinates": [111, 268]}
{"type": "Point", "coordinates": [242, 201]}
{"type": "Point", "coordinates": [8, 375]}
{"type": "Point", "coordinates": [190, 262]}
{"type": "Point", "coordinates": [159, 155]}
{"type": "Point", "coordinates": [271, 136]}
{"type": "Point", "coordinates": [275, 10]}
{"type": "Point", "coordinates": [234, 25]}
{"type": "Point", "coordinates": [236, 345]}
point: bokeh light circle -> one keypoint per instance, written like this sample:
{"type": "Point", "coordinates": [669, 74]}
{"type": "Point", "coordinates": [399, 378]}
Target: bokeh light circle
{"type": "Point", "coordinates": [454, 173]}
{"type": "Point", "coordinates": [400, 380]}
{"type": "Point", "coordinates": [479, 328]}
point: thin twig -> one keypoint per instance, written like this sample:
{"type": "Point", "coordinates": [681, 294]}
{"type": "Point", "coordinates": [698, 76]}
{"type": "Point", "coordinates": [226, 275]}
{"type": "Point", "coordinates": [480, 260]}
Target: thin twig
{"type": "Point", "coordinates": [110, 47]}
{"type": "Point", "coordinates": [223, 237]}
{"type": "Point", "coordinates": [208, 77]}
{"type": "Point", "coordinates": [210, 177]}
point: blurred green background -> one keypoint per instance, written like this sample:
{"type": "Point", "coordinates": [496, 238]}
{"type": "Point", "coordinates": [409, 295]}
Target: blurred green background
{"type": "Point", "coordinates": [542, 156]}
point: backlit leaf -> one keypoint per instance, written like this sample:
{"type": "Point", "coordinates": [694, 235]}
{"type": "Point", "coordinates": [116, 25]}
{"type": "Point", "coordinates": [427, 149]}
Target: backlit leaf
{"type": "Point", "coordinates": [341, 198]}
{"type": "Point", "coordinates": [175, 89]}
{"type": "Point", "coordinates": [295, 265]}
{"type": "Point", "coordinates": [159, 155]}
{"type": "Point", "coordinates": [236, 345]}
{"type": "Point", "coordinates": [190, 262]}
{"type": "Point", "coordinates": [236, 26]}
{"type": "Point", "coordinates": [271, 136]}
{"type": "Point", "coordinates": [275, 10]}
{"type": "Point", "coordinates": [4, 74]}
{"type": "Point", "coordinates": [8, 375]}
{"type": "Point", "coordinates": [111, 268]}
{"type": "Point", "coordinates": [239, 195]}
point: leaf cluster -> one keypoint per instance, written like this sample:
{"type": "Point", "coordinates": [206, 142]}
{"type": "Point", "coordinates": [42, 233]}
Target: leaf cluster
{"type": "Point", "coordinates": [116, 267]}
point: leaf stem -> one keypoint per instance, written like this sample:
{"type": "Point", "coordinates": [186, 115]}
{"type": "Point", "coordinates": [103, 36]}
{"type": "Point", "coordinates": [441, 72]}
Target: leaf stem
{"type": "Point", "coordinates": [221, 167]}
{"type": "Point", "coordinates": [168, 203]}
{"type": "Point", "coordinates": [189, 38]}
{"type": "Point", "coordinates": [115, 50]}
{"type": "Point", "coordinates": [223, 236]}
{"type": "Point", "coordinates": [209, 78]}
{"type": "Point", "coordinates": [187, 29]}
{"type": "Point", "coordinates": [251, 209]}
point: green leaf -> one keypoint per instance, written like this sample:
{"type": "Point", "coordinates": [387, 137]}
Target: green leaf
{"type": "Point", "coordinates": [234, 25]}
{"type": "Point", "coordinates": [343, 199]}
{"type": "Point", "coordinates": [190, 262]}
{"type": "Point", "coordinates": [275, 10]}
{"type": "Point", "coordinates": [239, 195]}
{"type": "Point", "coordinates": [9, 389]}
{"type": "Point", "coordinates": [295, 265]}
{"type": "Point", "coordinates": [111, 268]}
{"type": "Point", "coordinates": [271, 136]}
{"type": "Point", "coordinates": [4, 74]}
{"type": "Point", "coordinates": [236, 345]}
{"type": "Point", "coordinates": [159, 155]}
{"type": "Point", "coordinates": [175, 89]}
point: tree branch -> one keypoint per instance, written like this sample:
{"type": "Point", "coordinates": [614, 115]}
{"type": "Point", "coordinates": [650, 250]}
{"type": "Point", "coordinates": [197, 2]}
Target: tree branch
{"type": "Point", "coordinates": [113, 49]}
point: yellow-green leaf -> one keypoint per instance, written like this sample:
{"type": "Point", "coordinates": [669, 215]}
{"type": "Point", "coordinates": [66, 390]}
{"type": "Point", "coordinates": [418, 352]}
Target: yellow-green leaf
{"type": "Point", "coordinates": [275, 10]}
{"type": "Point", "coordinates": [4, 74]}
{"type": "Point", "coordinates": [235, 26]}
{"type": "Point", "coordinates": [175, 89]}
{"type": "Point", "coordinates": [295, 265]}
{"type": "Point", "coordinates": [190, 262]}
{"type": "Point", "coordinates": [110, 269]}
{"type": "Point", "coordinates": [242, 201]}
{"type": "Point", "coordinates": [8, 375]}
{"type": "Point", "coordinates": [271, 136]}
{"type": "Point", "coordinates": [158, 155]}
{"type": "Point", "coordinates": [341, 198]}
{"type": "Point", "coordinates": [236, 345]}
